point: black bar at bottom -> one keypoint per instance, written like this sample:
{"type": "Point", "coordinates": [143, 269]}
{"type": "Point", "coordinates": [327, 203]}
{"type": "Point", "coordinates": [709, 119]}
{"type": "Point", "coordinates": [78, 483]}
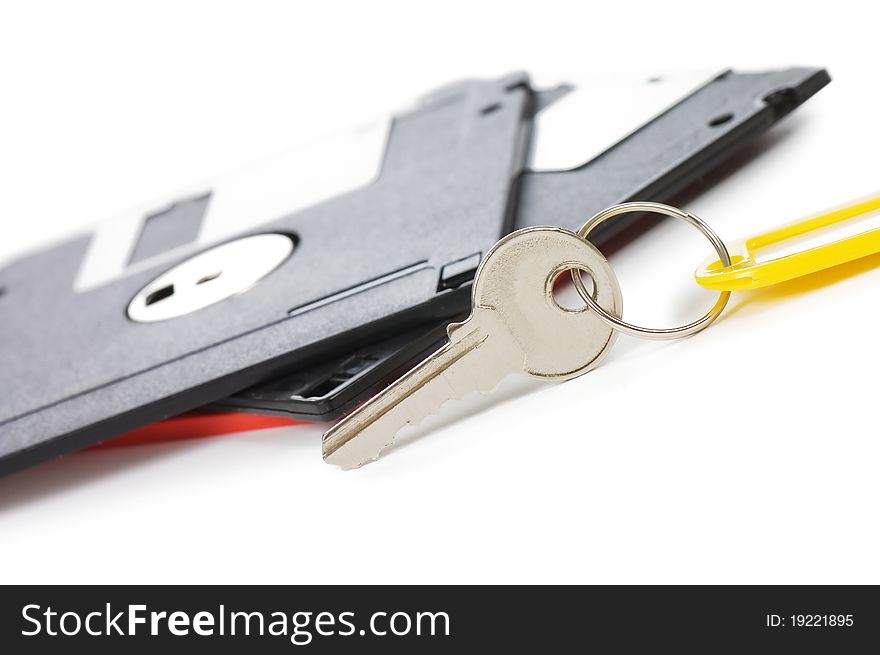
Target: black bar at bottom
{"type": "Point", "coordinates": [704, 619]}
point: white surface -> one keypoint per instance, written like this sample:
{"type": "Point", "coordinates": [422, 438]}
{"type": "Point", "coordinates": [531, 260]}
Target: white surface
{"type": "Point", "coordinates": [745, 454]}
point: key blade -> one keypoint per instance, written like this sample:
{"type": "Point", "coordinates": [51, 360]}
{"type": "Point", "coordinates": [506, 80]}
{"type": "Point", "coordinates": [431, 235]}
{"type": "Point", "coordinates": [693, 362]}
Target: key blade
{"type": "Point", "coordinates": [362, 435]}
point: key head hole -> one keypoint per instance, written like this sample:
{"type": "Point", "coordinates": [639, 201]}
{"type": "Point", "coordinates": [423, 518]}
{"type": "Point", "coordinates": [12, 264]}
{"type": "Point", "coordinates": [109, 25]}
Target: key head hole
{"type": "Point", "coordinates": [564, 294]}
{"type": "Point", "coordinates": [159, 294]}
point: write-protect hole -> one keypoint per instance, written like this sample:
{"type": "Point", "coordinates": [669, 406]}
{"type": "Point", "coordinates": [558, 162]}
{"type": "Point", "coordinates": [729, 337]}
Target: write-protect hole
{"type": "Point", "coordinates": [490, 109]}
{"type": "Point", "coordinates": [721, 119]}
{"type": "Point", "coordinates": [566, 296]}
{"type": "Point", "coordinates": [208, 278]}
{"type": "Point", "coordinates": [159, 295]}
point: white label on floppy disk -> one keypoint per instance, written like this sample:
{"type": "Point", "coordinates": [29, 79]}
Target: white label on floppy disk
{"type": "Point", "coordinates": [601, 110]}
{"type": "Point", "coordinates": [245, 200]}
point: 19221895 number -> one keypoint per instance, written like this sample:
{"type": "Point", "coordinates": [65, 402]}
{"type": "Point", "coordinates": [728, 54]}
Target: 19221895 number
{"type": "Point", "coordinates": [821, 620]}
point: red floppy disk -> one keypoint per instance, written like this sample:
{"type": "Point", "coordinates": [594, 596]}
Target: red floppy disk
{"type": "Point", "coordinates": [197, 425]}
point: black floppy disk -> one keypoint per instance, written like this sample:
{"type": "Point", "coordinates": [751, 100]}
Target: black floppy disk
{"type": "Point", "coordinates": [167, 310]}
{"type": "Point", "coordinates": [234, 284]}
{"type": "Point", "coordinates": [687, 125]}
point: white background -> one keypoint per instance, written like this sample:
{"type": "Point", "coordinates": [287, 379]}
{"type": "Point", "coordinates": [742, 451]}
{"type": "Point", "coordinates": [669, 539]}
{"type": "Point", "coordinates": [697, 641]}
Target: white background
{"type": "Point", "coordinates": [748, 453]}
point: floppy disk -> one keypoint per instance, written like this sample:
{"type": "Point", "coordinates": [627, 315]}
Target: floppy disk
{"type": "Point", "coordinates": [310, 258]}
{"type": "Point", "coordinates": [601, 140]}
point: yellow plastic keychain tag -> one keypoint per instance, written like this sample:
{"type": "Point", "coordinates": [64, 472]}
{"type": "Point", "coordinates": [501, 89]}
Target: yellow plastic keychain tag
{"type": "Point", "coordinates": [800, 248]}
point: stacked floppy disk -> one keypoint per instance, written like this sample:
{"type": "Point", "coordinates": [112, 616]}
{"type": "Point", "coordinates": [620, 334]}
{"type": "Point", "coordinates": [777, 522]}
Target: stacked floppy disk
{"type": "Point", "coordinates": [303, 286]}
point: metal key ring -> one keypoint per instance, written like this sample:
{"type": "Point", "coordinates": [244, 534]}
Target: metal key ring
{"type": "Point", "coordinates": [635, 330]}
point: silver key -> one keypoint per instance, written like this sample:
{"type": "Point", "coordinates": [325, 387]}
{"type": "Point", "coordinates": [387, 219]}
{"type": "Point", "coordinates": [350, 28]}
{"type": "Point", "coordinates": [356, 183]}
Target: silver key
{"type": "Point", "coordinates": [515, 326]}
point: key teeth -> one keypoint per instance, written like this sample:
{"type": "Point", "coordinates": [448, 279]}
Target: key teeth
{"type": "Point", "coordinates": [348, 465]}
{"type": "Point", "coordinates": [353, 467]}
{"type": "Point", "coordinates": [483, 389]}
